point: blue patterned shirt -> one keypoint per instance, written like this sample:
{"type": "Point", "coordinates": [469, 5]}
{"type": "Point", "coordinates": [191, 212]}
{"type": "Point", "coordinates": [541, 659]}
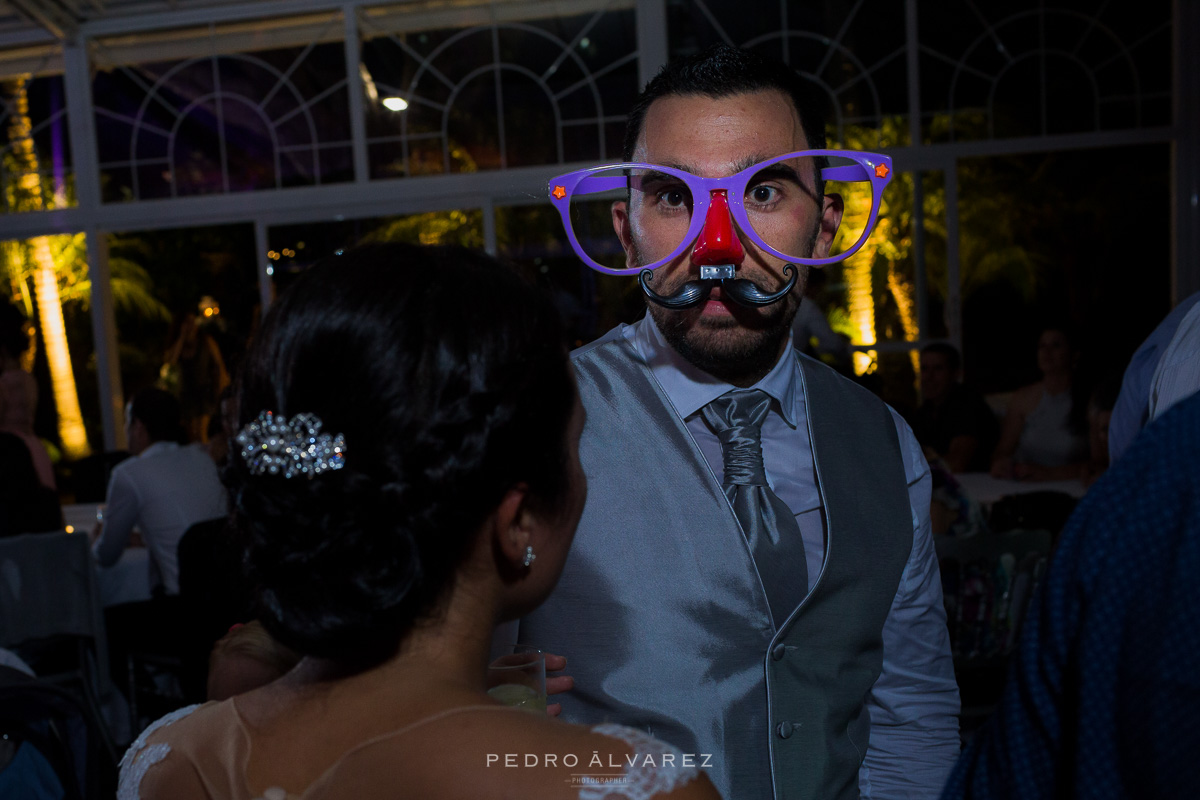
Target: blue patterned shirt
{"type": "Point", "coordinates": [1103, 699]}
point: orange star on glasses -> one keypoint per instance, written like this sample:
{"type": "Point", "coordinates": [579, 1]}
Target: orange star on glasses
{"type": "Point", "coordinates": [559, 192]}
{"type": "Point", "coordinates": [882, 171]}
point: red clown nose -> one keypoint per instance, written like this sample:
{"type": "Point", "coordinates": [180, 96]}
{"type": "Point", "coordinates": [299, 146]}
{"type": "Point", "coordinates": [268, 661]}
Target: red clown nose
{"type": "Point", "coordinates": [718, 243]}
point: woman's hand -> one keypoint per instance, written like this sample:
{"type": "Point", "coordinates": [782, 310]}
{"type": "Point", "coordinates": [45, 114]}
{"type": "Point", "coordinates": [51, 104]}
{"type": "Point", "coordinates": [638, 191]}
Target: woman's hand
{"type": "Point", "coordinates": [558, 683]}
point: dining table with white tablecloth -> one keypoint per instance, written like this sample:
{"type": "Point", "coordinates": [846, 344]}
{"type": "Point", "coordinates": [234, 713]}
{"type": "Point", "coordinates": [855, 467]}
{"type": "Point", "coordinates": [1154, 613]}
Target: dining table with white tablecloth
{"type": "Point", "coordinates": [986, 489]}
{"type": "Point", "coordinates": [127, 580]}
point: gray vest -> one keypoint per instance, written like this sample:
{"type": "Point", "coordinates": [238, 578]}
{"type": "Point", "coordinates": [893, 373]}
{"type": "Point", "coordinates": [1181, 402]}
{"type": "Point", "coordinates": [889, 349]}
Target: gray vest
{"type": "Point", "coordinates": [660, 610]}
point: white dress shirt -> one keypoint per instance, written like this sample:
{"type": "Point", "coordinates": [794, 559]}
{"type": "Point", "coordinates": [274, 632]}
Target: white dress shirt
{"type": "Point", "coordinates": [914, 703]}
{"type": "Point", "coordinates": [163, 491]}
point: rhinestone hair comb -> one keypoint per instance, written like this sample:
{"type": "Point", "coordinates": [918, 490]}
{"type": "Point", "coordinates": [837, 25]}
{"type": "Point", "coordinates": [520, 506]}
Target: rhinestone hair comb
{"type": "Point", "coordinates": [290, 447]}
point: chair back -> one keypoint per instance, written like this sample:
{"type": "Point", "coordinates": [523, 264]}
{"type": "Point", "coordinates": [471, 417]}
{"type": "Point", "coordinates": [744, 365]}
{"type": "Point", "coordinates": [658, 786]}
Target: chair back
{"type": "Point", "coordinates": [48, 597]}
{"type": "Point", "coordinates": [1043, 510]}
{"type": "Point", "coordinates": [987, 582]}
{"type": "Point", "coordinates": [63, 733]}
{"type": "Point", "coordinates": [48, 589]}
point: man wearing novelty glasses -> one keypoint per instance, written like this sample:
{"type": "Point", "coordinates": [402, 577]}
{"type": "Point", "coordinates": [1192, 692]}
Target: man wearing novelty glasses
{"type": "Point", "coordinates": [754, 575]}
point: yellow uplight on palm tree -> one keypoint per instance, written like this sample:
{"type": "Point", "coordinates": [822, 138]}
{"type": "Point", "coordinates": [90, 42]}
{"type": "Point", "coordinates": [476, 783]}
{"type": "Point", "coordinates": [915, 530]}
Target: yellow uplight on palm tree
{"type": "Point", "coordinates": [856, 270]}
{"type": "Point", "coordinates": [49, 304]}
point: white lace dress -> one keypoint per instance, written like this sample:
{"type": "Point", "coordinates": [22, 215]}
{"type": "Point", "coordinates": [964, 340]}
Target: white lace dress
{"type": "Point", "coordinates": [140, 757]}
{"type": "Point", "coordinates": [653, 768]}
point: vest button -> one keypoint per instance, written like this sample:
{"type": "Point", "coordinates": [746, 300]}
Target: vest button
{"type": "Point", "coordinates": [778, 652]}
{"type": "Point", "coordinates": [784, 730]}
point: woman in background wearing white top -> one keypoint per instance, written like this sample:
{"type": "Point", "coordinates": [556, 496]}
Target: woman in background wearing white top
{"type": "Point", "coordinates": [1044, 435]}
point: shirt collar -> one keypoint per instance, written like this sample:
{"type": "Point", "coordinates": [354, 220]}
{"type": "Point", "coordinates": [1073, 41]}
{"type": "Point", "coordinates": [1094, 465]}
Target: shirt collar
{"type": "Point", "coordinates": [690, 389]}
{"type": "Point", "coordinates": [158, 447]}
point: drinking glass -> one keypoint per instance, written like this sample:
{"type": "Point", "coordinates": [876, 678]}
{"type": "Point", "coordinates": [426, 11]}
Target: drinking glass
{"type": "Point", "coordinates": [518, 678]}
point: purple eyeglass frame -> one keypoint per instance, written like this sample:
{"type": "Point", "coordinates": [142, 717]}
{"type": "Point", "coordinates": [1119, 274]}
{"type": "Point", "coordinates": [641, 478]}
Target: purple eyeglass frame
{"type": "Point", "coordinates": [867, 166]}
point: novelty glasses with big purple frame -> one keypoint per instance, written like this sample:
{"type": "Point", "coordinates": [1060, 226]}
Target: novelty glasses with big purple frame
{"type": "Point", "coordinates": [776, 204]}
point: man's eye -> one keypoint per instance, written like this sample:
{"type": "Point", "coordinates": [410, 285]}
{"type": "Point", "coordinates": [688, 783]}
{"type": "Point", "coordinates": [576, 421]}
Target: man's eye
{"type": "Point", "coordinates": [675, 198]}
{"type": "Point", "coordinates": [764, 194]}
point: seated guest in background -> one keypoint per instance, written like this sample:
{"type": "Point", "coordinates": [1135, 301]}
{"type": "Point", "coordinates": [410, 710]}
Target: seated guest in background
{"type": "Point", "coordinates": [952, 510]}
{"type": "Point", "coordinates": [1103, 695]}
{"type": "Point", "coordinates": [19, 391]}
{"type": "Point", "coordinates": [440, 497]}
{"type": "Point", "coordinates": [1044, 436]}
{"type": "Point", "coordinates": [163, 491]}
{"type": "Point", "coordinates": [246, 658]}
{"type": "Point", "coordinates": [954, 422]}
{"type": "Point", "coordinates": [26, 506]}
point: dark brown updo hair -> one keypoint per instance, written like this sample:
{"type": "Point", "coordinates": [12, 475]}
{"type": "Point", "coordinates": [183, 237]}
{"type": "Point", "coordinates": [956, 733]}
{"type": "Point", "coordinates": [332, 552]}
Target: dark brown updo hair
{"type": "Point", "coordinates": [447, 375]}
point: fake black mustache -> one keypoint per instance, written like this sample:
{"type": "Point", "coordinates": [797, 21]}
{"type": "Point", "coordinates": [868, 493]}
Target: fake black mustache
{"type": "Point", "coordinates": [742, 291]}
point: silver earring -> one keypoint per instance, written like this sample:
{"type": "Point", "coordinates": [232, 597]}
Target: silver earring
{"type": "Point", "coordinates": [529, 556]}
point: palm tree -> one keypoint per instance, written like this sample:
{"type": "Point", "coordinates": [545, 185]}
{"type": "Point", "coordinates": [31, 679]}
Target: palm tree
{"type": "Point", "coordinates": [886, 251]}
{"type": "Point", "coordinates": [47, 272]}
{"type": "Point", "coordinates": [30, 197]}
{"type": "Point", "coordinates": [989, 248]}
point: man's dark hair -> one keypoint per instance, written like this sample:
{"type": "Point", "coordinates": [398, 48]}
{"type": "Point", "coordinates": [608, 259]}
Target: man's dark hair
{"type": "Point", "coordinates": [947, 351]}
{"type": "Point", "coordinates": [721, 71]}
{"type": "Point", "coordinates": [159, 411]}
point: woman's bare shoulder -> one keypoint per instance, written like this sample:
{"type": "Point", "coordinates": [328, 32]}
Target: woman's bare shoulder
{"type": "Point", "coordinates": [1026, 398]}
{"type": "Point", "coordinates": [157, 764]}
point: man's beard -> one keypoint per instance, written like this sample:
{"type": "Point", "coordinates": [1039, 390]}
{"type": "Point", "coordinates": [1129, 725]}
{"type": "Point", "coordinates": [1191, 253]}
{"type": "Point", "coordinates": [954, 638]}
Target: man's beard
{"type": "Point", "coordinates": [739, 349]}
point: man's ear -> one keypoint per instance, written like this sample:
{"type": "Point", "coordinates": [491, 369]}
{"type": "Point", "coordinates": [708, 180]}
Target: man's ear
{"type": "Point", "coordinates": [621, 224]}
{"type": "Point", "coordinates": [831, 218]}
{"type": "Point", "coordinates": [512, 525]}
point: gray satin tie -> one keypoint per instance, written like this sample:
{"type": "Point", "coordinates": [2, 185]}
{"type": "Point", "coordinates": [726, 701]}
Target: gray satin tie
{"type": "Point", "coordinates": [769, 524]}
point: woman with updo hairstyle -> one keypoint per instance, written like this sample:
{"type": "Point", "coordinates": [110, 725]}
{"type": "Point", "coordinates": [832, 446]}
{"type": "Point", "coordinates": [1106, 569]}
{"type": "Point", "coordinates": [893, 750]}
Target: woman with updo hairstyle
{"type": "Point", "coordinates": [406, 477]}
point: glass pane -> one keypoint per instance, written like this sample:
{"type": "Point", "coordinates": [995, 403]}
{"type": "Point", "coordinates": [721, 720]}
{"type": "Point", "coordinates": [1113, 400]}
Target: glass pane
{"type": "Point", "coordinates": [186, 302]}
{"type": "Point", "coordinates": [532, 238]}
{"type": "Point", "coordinates": [48, 286]}
{"type": "Point", "coordinates": [1062, 238]}
{"type": "Point", "coordinates": [218, 111]}
{"type": "Point", "coordinates": [34, 141]}
{"type": "Point", "coordinates": [937, 288]}
{"type": "Point", "coordinates": [872, 295]}
{"type": "Point", "coordinates": [1028, 69]}
{"type": "Point", "coordinates": [444, 97]}
{"type": "Point", "coordinates": [294, 248]}
{"type": "Point", "coordinates": [851, 53]}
